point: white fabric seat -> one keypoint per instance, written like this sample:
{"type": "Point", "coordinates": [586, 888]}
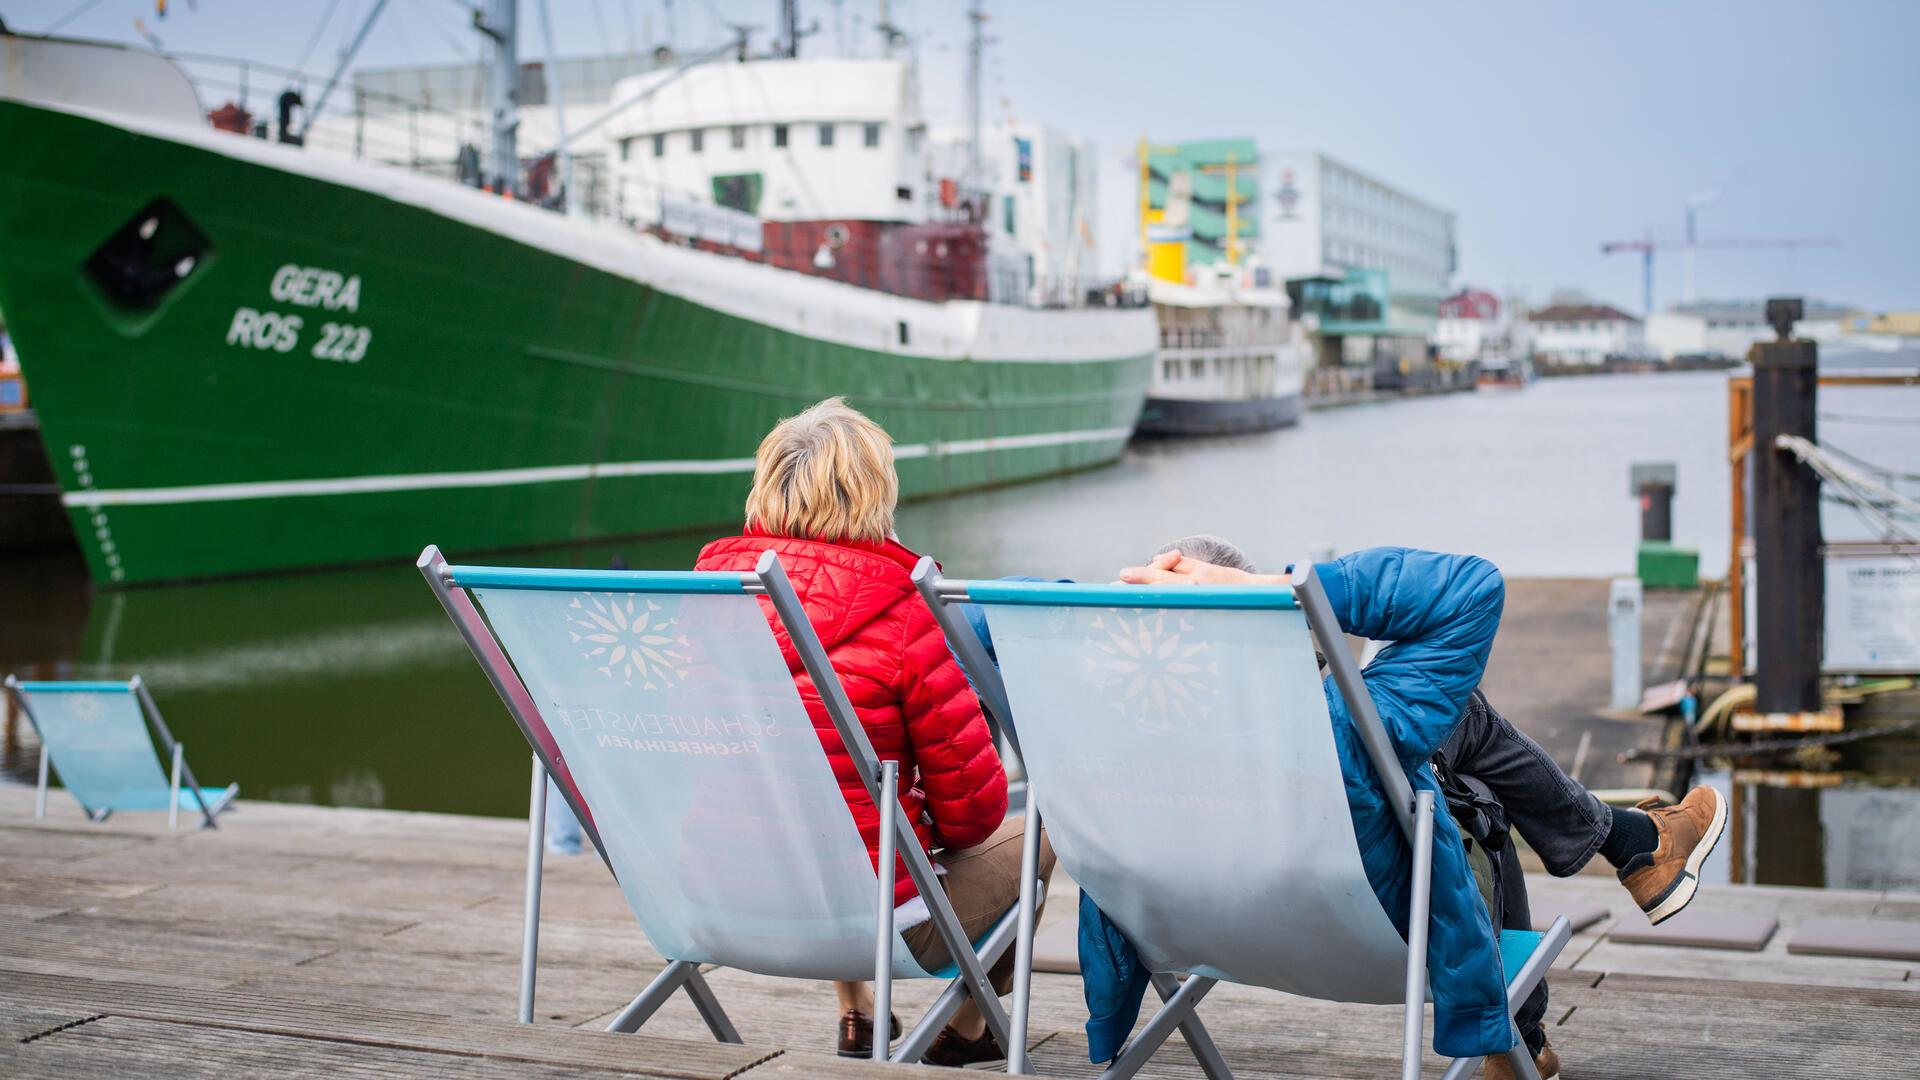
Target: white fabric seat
{"type": "Point", "coordinates": [1178, 743]}
{"type": "Point", "coordinates": [667, 715]}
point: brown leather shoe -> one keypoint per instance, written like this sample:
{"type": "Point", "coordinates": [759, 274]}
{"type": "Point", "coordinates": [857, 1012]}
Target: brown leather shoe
{"type": "Point", "coordinates": [955, 1052]}
{"type": "Point", "coordinates": [1546, 1063]}
{"type": "Point", "coordinates": [856, 1033]}
{"type": "Point", "coordinates": [1664, 882]}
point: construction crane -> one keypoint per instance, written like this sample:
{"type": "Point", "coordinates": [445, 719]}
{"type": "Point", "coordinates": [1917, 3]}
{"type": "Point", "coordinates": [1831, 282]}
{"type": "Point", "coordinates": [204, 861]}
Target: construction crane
{"type": "Point", "coordinates": [1646, 247]}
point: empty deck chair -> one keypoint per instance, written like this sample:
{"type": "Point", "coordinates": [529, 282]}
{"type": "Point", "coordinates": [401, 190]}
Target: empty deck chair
{"type": "Point", "coordinates": [1178, 741]}
{"type": "Point", "coordinates": [100, 737]}
{"type": "Point", "coordinates": [663, 709]}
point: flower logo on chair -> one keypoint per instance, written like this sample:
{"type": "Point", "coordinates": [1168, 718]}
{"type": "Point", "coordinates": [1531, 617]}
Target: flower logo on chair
{"type": "Point", "coordinates": [628, 637]}
{"type": "Point", "coordinates": [1151, 666]}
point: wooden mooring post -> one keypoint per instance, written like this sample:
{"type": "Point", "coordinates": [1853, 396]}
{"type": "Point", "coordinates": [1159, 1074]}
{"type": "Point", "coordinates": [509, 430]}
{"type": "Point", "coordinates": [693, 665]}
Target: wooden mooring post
{"type": "Point", "coordinates": [1791, 580]}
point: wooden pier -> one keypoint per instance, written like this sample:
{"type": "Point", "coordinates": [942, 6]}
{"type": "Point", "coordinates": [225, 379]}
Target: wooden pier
{"type": "Point", "coordinates": [298, 941]}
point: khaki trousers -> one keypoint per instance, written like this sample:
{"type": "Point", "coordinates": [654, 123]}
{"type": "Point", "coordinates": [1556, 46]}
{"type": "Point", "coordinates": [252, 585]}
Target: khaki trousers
{"type": "Point", "coordinates": [982, 882]}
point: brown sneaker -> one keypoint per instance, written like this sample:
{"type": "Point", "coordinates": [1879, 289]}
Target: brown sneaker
{"type": "Point", "coordinates": [1546, 1063]}
{"type": "Point", "coordinates": [1664, 882]}
{"type": "Point", "coordinates": [856, 1033]}
{"type": "Point", "coordinates": [955, 1052]}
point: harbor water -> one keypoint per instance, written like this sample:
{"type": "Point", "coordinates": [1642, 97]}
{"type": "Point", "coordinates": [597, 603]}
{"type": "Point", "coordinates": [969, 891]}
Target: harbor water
{"type": "Point", "coordinates": [350, 687]}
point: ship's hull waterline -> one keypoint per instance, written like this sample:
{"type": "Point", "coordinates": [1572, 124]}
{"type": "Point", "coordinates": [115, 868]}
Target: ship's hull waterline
{"type": "Point", "coordinates": [350, 370]}
{"type": "Point", "coordinates": [1181, 416]}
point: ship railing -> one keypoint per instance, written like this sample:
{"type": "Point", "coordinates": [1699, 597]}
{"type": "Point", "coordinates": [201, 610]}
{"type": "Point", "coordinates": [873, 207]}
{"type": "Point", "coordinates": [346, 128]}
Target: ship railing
{"type": "Point", "coordinates": [362, 124]}
{"type": "Point", "coordinates": [1180, 337]}
{"type": "Point", "coordinates": [359, 123]}
{"type": "Point", "coordinates": [1051, 291]}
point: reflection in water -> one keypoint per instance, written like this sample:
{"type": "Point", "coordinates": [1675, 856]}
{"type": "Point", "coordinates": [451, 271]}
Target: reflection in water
{"type": "Point", "coordinates": [1820, 829]}
{"type": "Point", "coordinates": [346, 688]}
{"type": "Point", "coordinates": [350, 687]}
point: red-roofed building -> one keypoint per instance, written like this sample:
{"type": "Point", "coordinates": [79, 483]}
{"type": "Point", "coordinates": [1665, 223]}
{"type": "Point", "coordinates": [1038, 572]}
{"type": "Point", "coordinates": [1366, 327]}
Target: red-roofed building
{"type": "Point", "coordinates": [1474, 325]}
{"type": "Point", "coordinates": [1471, 304]}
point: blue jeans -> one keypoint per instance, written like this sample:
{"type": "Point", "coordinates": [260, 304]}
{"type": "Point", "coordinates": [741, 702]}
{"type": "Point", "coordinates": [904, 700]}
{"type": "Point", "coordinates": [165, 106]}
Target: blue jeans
{"type": "Point", "coordinates": [563, 829]}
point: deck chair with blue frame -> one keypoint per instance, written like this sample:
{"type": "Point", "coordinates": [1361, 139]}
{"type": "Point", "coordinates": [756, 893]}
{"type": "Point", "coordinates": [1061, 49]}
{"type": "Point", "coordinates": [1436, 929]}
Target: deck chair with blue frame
{"type": "Point", "coordinates": [101, 738]}
{"type": "Point", "coordinates": [662, 707]}
{"type": "Point", "coordinates": [1179, 743]}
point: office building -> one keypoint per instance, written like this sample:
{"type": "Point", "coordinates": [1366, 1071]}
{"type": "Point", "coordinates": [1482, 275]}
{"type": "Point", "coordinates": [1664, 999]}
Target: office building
{"type": "Point", "coordinates": [1366, 262]}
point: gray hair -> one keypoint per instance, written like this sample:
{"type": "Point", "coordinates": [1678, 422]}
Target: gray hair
{"type": "Point", "coordinates": [1209, 548]}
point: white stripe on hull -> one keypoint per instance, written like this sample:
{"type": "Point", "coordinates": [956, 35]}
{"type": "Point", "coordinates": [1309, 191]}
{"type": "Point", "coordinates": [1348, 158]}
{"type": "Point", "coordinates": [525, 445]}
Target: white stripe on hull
{"type": "Point", "coordinates": [545, 474]}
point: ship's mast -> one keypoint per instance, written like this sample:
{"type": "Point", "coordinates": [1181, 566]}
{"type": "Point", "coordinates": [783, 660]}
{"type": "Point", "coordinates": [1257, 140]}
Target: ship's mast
{"type": "Point", "coordinates": [501, 25]}
{"type": "Point", "coordinates": [890, 34]}
{"type": "Point", "coordinates": [790, 28]}
{"type": "Point", "coordinates": [974, 48]}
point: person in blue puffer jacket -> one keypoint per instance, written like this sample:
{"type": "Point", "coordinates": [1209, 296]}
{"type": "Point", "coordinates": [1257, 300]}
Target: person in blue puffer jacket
{"type": "Point", "coordinates": [1441, 612]}
{"type": "Point", "coordinates": [1500, 778]}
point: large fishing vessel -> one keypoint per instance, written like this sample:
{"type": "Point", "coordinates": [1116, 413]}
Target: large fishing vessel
{"type": "Point", "coordinates": [246, 356]}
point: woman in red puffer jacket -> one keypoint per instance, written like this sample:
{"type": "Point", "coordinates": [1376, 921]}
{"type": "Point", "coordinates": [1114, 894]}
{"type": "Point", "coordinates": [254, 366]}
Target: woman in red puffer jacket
{"type": "Point", "coordinates": [823, 496]}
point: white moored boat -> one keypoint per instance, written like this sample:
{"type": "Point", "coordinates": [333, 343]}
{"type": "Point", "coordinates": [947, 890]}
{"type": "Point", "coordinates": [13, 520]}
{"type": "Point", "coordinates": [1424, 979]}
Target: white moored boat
{"type": "Point", "coordinates": [1230, 359]}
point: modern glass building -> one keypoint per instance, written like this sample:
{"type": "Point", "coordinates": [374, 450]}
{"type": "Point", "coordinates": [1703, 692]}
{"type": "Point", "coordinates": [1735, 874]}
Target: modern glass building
{"type": "Point", "coordinates": [1364, 259]}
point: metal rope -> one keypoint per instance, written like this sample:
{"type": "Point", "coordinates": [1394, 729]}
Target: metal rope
{"type": "Point", "coordinates": [1860, 489]}
{"type": "Point", "coordinates": [1862, 463]}
{"type": "Point", "coordinates": [78, 10]}
{"type": "Point", "coordinates": [314, 39]}
{"type": "Point", "coordinates": [1847, 418]}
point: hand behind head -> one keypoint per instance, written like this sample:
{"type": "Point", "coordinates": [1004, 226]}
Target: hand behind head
{"type": "Point", "coordinates": [1174, 568]}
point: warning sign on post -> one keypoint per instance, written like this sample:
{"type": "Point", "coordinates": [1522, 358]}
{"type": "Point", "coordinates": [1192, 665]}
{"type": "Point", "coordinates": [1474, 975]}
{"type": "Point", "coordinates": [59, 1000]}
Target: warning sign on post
{"type": "Point", "coordinates": [1873, 613]}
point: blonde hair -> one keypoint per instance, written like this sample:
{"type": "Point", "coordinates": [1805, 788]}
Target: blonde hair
{"type": "Point", "coordinates": [826, 474]}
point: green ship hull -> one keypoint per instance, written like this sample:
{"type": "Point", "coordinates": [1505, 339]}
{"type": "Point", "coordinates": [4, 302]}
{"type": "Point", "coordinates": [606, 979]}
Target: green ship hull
{"type": "Point", "coordinates": [353, 362]}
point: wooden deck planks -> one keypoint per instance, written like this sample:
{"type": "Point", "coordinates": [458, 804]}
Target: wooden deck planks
{"type": "Point", "coordinates": [282, 1016]}
{"type": "Point", "coordinates": [301, 941]}
{"type": "Point", "coordinates": [36, 845]}
{"type": "Point", "coordinates": [22, 1023]}
{"type": "Point", "coordinates": [118, 1047]}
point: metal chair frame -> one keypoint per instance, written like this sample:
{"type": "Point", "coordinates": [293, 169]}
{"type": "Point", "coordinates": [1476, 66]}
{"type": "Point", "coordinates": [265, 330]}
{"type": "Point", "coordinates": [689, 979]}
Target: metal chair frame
{"type": "Point", "coordinates": [450, 585]}
{"type": "Point", "coordinates": [176, 752]}
{"type": "Point", "coordinates": [1413, 810]}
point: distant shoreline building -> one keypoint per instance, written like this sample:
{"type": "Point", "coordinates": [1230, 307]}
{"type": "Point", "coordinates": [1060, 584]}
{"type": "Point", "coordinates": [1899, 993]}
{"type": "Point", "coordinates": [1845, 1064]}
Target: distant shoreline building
{"type": "Point", "coordinates": [1725, 330]}
{"type": "Point", "coordinates": [1366, 262]}
{"type": "Point", "coordinates": [1200, 205]}
{"type": "Point", "coordinates": [1585, 333]}
{"type": "Point", "coordinates": [1475, 326]}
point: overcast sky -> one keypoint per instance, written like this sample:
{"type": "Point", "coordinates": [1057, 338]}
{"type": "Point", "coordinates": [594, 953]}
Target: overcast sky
{"type": "Point", "coordinates": [1549, 127]}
